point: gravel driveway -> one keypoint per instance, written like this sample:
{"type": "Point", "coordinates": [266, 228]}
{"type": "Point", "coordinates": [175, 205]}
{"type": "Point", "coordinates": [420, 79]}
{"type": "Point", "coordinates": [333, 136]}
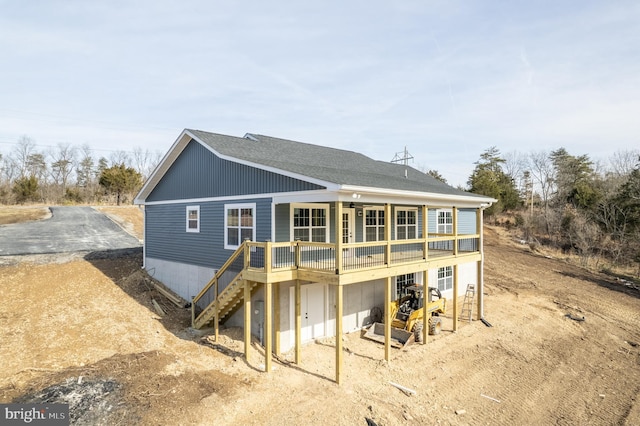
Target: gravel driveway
{"type": "Point", "coordinates": [70, 229]}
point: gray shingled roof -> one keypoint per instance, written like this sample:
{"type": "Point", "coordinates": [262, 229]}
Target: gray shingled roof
{"type": "Point", "coordinates": [332, 165]}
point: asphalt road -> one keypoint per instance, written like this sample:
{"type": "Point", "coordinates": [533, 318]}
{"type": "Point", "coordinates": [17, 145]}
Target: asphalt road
{"type": "Point", "coordinates": [69, 229]}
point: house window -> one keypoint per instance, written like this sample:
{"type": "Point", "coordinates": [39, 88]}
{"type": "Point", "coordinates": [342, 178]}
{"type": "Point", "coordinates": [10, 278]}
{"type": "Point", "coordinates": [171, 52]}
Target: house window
{"type": "Point", "coordinates": [374, 224]}
{"type": "Point", "coordinates": [239, 224]}
{"type": "Point", "coordinates": [193, 218]}
{"type": "Point", "coordinates": [402, 282]}
{"type": "Point", "coordinates": [310, 223]}
{"type": "Point", "coordinates": [445, 222]}
{"type": "Point", "coordinates": [445, 278]}
{"type": "Point", "coordinates": [406, 224]}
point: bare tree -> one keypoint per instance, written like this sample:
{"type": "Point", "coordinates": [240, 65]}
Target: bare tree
{"type": "Point", "coordinates": [37, 166]}
{"type": "Point", "coordinates": [145, 161]}
{"type": "Point", "coordinates": [515, 163]}
{"type": "Point", "coordinates": [155, 160]}
{"type": "Point", "coordinates": [543, 174]}
{"type": "Point", "coordinates": [63, 162]}
{"type": "Point", "coordinates": [85, 170]}
{"type": "Point", "coordinates": [119, 157]}
{"type": "Point", "coordinates": [21, 153]}
{"type": "Point", "coordinates": [623, 162]}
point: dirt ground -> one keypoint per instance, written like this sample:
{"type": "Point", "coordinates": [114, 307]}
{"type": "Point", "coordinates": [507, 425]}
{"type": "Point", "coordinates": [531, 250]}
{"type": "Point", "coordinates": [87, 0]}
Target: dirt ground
{"type": "Point", "coordinates": [86, 332]}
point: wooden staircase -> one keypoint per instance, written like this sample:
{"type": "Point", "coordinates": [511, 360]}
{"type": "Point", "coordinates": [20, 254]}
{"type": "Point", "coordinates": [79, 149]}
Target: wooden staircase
{"type": "Point", "coordinates": [229, 298]}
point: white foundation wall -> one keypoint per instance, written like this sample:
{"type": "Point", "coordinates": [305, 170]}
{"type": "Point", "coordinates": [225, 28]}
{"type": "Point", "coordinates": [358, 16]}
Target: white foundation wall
{"type": "Point", "coordinates": [358, 299]}
{"type": "Point", "coordinates": [467, 274]}
{"type": "Point", "coordinates": [183, 279]}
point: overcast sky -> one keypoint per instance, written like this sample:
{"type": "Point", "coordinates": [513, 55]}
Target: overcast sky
{"type": "Point", "coordinates": [446, 79]}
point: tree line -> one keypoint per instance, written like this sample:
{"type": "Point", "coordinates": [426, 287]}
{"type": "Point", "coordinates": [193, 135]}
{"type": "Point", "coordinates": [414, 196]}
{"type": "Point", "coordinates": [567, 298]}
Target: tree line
{"type": "Point", "coordinates": [71, 174]}
{"type": "Point", "coordinates": [569, 201]}
{"type": "Point", "coordinates": [554, 197]}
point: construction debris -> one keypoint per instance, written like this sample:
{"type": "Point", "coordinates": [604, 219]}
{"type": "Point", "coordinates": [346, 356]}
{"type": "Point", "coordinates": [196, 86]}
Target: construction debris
{"type": "Point", "coordinates": [488, 397]}
{"type": "Point", "coordinates": [158, 308]}
{"type": "Point", "coordinates": [172, 298]}
{"type": "Point", "coordinates": [404, 389]}
{"type": "Point", "coordinates": [575, 318]}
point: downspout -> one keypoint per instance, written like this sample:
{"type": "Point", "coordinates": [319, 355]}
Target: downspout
{"type": "Point", "coordinates": [144, 236]}
{"type": "Point", "coordinates": [481, 271]}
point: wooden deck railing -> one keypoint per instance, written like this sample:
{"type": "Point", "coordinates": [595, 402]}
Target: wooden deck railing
{"type": "Point", "coordinates": [223, 291]}
{"type": "Point", "coordinates": [269, 257]}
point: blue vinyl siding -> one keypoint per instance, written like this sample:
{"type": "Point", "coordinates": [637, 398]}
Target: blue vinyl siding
{"type": "Point", "coordinates": [432, 221]}
{"type": "Point", "coordinates": [166, 237]}
{"type": "Point", "coordinates": [282, 222]}
{"type": "Point", "coordinates": [198, 173]}
{"type": "Point", "coordinates": [466, 221]}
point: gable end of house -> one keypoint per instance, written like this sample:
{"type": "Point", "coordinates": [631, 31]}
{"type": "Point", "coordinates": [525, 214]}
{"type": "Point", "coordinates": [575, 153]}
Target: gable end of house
{"type": "Point", "coordinates": [197, 172]}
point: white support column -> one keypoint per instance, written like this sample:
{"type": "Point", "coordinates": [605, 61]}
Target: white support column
{"type": "Point", "coordinates": [298, 323]}
{"type": "Point", "coordinates": [339, 311]}
{"type": "Point", "coordinates": [387, 319]}
{"type": "Point", "coordinates": [455, 297]}
{"type": "Point", "coordinates": [425, 305]}
{"type": "Point", "coordinates": [247, 320]}
{"type": "Point", "coordinates": [268, 330]}
{"type": "Point", "coordinates": [480, 291]}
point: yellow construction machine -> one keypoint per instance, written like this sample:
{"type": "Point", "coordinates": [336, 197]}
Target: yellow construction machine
{"type": "Point", "coordinates": [407, 316]}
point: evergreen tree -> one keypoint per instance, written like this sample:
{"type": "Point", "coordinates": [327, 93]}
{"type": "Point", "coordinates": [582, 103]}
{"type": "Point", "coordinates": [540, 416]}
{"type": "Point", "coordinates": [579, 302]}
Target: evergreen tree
{"type": "Point", "coordinates": [120, 179]}
{"type": "Point", "coordinates": [575, 180]}
{"type": "Point", "coordinates": [489, 179]}
{"type": "Point", "coordinates": [25, 189]}
{"type": "Point", "coordinates": [436, 175]}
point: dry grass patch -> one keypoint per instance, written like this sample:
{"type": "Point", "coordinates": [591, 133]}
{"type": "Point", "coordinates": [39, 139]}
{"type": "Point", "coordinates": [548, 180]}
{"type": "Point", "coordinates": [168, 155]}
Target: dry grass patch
{"type": "Point", "coordinates": [19, 214]}
{"type": "Point", "coordinates": [128, 217]}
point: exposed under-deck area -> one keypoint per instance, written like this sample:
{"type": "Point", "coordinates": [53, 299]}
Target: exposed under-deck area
{"type": "Point", "coordinates": [337, 264]}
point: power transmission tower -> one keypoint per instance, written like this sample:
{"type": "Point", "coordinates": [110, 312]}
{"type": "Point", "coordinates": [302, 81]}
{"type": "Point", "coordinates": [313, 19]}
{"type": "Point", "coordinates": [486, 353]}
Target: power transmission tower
{"type": "Point", "coordinates": [402, 157]}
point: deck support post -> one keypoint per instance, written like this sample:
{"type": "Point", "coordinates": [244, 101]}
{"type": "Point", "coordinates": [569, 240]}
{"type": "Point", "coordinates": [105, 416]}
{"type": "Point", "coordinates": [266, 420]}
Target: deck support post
{"type": "Point", "coordinates": [216, 312]}
{"type": "Point", "coordinates": [455, 230]}
{"type": "Point", "coordinates": [387, 319]}
{"type": "Point", "coordinates": [267, 257]}
{"type": "Point", "coordinates": [455, 297]}
{"type": "Point", "coordinates": [425, 305]}
{"type": "Point", "coordinates": [387, 233]}
{"type": "Point", "coordinates": [276, 316]}
{"type": "Point", "coordinates": [338, 237]}
{"type": "Point", "coordinates": [298, 323]}
{"type": "Point", "coordinates": [480, 287]}
{"type": "Point", "coordinates": [268, 331]}
{"type": "Point", "coordinates": [247, 320]}
{"type": "Point", "coordinates": [425, 232]}
{"type": "Point", "coordinates": [339, 297]}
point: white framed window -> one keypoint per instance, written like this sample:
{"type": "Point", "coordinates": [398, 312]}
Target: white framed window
{"type": "Point", "coordinates": [239, 224]}
{"type": "Point", "coordinates": [445, 278]}
{"type": "Point", "coordinates": [310, 222]}
{"type": "Point", "coordinates": [373, 224]}
{"type": "Point", "coordinates": [193, 219]}
{"type": "Point", "coordinates": [445, 222]}
{"type": "Point", "coordinates": [406, 224]}
{"type": "Point", "coordinates": [402, 282]}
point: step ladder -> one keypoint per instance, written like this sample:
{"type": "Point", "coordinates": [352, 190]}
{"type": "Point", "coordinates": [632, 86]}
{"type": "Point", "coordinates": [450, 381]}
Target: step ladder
{"type": "Point", "coordinates": [467, 305]}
